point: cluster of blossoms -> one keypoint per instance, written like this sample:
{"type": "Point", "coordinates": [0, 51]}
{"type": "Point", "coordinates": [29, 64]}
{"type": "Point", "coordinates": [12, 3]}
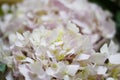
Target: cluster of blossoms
{"type": "Point", "coordinates": [58, 40]}
{"type": "Point", "coordinates": [90, 18]}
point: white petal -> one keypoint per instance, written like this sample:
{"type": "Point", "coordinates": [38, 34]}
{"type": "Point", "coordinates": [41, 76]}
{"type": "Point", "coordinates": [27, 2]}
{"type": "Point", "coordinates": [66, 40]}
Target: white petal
{"type": "Point", "coordinates": [49, 54]}
{"type": "Point", "coordinates": [83, 57]}
{"type": "Point", "coordinates": [92, 69]}
{"type": "Point", "coordinates": [113, 48]}
{"type": "Point", "coordinates": [37, 68]}
{"type": "Point", "coordinates": [72, 27]}
{"type": "Point", "coordinates": [52, 47]}
{"type": "Point", "coordinates": [104, 49]}
{"type": "Point", "coordinates": [66, 77]}
{"type": "Point", "coordinates": [115, 59]}
{"type": "Point", "coordinates": [72, 69]}
{"type": "Point", "coordinates": [72, 51]}
{"type": "Point", "coordinates": [98, 58]}
{"type": "Point", "coordinates": [20, 37]}
{"type": "Point", "coordinates": [19, 44]}
{"type": "Point", "coordinates": [26, 34]}
{"type": "Point", "coordinates": [24, 71]}
{"type": "Point", "coordinates": [101, 70]}
{"type": "Point", "coordinates": [43, 43]}
{"type": "Point", "coordinates": [49, 71]}
{"type": "Point", "coordinates": [35, 37]}
{"type": "Point", "coordinates": [12, 38]}
{"type": "Point", "coordinates": [28, 60]}
{"type": "Point", "coordinates": [9, 76]}
{"type": "Point", "coordinates": [110, 78]}
{"type": "Point", "coordinates": [58, 43]}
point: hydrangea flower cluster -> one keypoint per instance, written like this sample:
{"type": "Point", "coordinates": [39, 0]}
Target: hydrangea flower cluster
{"type": "Point", "coordinates": [58, 40]}
{"type": "Point", "coordinates": [90, 18]}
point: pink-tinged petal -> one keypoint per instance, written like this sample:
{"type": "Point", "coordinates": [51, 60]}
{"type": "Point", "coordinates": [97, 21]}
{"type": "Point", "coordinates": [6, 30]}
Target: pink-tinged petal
{"type": "Point", "coordinates": [59, 5]}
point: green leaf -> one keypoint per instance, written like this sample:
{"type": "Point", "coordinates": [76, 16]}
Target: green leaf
{"type": "Point", "coordinates": [2, 67]}
{"type": "Point", "coordinates": [117, 18]}
{"type": "Point", "coordinates": [1, 12]}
